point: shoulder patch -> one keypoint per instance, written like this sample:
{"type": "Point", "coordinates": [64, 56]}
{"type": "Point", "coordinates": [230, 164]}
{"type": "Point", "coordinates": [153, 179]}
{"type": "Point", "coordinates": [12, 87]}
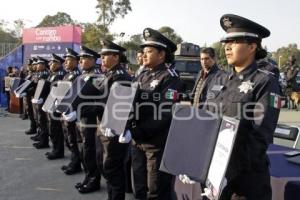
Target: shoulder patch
{"type": "Point", "coordinates": [96, 71]}
{"type": "Point", "coordinates": [171, 73]}
{"type": "Point", "coordinates": [174, 71]}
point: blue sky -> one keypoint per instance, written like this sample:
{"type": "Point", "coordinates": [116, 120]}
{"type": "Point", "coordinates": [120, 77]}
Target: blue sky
{"type": "Point", "coordinates": [195, 20]}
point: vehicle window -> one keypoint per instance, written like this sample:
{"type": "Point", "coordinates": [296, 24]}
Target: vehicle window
{"type": "Point", "coordinates": [188, 66]}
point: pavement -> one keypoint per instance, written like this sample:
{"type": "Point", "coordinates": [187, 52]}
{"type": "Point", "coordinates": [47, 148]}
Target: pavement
{"type": "Point", "coordinates": [25, 173]}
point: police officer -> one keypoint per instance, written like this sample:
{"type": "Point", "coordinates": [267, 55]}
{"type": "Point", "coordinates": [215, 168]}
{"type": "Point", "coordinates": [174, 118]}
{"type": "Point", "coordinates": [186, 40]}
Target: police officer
{"type": "Point", "coordinates": [72, 133]}
{"type": "Point", "coordinates": [114, 152]}
{"type": "Point", "coordinates": [30, 95]}
{"type": "Point", "coordinates": [252, 95]}
{"type": "Point", "coordinates": [55, 127]}
{"type": "Point", "coordinates": [28, 104]}
{"type": "Point", "coordinates": [139, 61]}
{"type": "Point", "coordinates": [209, 72]}
{"type": "Point", "coordinates": [42, 122]}
{"type": "Point", "coordinates": [291, 72]}
{"type": "Point", "coordinates": [158, 88]}
{"type": "Point", "coordinates": [88, 121]}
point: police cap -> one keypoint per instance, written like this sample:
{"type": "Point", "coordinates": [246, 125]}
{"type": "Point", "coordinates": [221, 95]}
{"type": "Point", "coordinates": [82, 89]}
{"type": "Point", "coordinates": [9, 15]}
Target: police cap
{"type": "Point", "coordinates": [41, 60]}
{"type": "Point", "coordinates": [71, 53]}
{"type": "Point", "coordinates": [56, 58]}
{"type": "Point", "coordinates": [110, 47]}
{"type": "Point", "coordinates": [86, 52]}
{"type": "Point", "coordinates": [154, 38]}
{"type": "Point", "coordinates": [238, 27]}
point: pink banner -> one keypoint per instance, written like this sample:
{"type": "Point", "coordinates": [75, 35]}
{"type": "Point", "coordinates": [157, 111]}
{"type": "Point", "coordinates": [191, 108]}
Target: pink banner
{"type": "Point", "coordinates": [70, 34]}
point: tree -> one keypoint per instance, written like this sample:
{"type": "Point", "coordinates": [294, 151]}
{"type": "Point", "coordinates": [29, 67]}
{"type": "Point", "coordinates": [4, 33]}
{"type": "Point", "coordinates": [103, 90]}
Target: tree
{"type": "Point", "coordinates": [282, 54]}
{"type": "Point", "coordinates": [220, 55]}
{"type": "Point", "coordinates": [133, 43]}
{"type": "Point", "coordinates": [6, 37]}
{"type": "Point", "coordinates": [5, 34]}
{"type": "Point", "coordinates": [171, 34]}
{"type": "Point", "coordinates": [59, 19]}
{"type": "Point", "coordinates": [109, 10]}
{"type": "Point", "coordinates": [18, 28]}
{"type": "Point", "coordinates": [93, 34]}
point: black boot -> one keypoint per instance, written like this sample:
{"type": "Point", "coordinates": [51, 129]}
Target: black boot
{"type": "Point", "coordinates": [64, 167]}
{"type": "Point", "coordinates": [73, 169]}
{"type": "Point", "coordinates": [30, 131]}
{"type": "Point", "coordinates": [35, 138]}
{"type": "Point", "coordinates": [84, 182]}
{"type": "Point", "coordinates": [41, 145]}
{"type": "Point", "coordinates": [54, 155]}
{"type": "Point", "coordinates": [92, 185]}
{"type": "Point", "coordinates": [24, 116]}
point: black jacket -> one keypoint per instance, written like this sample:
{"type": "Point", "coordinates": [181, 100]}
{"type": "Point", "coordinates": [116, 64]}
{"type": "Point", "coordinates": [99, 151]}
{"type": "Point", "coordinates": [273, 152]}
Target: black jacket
{"type": "Point", "coordinates": [158, 92]}
{"type": "Point", "coordinates": [248, 97]}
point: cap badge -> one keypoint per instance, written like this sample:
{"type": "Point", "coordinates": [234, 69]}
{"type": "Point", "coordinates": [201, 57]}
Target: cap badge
{"type": "Point", "coordinates": [147, 33]}
{"type": "Point", "coordinates": [227, 22]}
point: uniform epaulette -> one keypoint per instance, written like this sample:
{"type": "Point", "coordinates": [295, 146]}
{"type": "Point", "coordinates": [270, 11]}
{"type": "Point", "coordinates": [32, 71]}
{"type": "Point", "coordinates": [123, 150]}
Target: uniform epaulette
{"type": "Point", "coordinates": [61, 73]}
{"type": "Point", "coordinates": [172, 72]}
{"type": "Point", "coordinates": [265, 72]}
{"type": "Point", "coordinates": [96, 71]}
{"type": "Point", "coordinates": [77, 72]}
{"type": "Point", "coordinates": [120, 72]}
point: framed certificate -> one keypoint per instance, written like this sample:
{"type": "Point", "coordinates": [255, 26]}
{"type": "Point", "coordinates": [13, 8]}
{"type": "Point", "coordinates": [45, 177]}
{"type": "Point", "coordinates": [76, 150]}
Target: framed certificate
{"type": "Point", "coordinates": [199, 145]}
{"type": "Point", "coordinates": [23, 87]}
{"type": "Point", "coordinates": [216, 175]}
{"type": "Point", "coordinates": [15, 83]}
{"type": "Point", "coordinates": [56, 95]}
{"type": "Point", "coordinates": [83, 89]}
{"type": "Point", "coordinates": [118, 107]}
{"type": "Point", "coordinates": [42, 89]}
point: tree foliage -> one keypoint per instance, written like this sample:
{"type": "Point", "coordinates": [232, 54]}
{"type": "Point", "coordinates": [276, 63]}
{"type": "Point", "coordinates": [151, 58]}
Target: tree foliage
{"type": "Point", "coordinates": [171, 34]}
{"type": "Point", "coordinates": [220, 55]}
{"type": "Point", "coordinates": [109, 10]}
{"type": "Point", "coordinates": [93, 34]}
{"type": "Point", "coordinates": [6, 35]}
{"type": "Point", "coordinates": [134, 42]}
{"type": "Point", "coordinates": [19, 25]}
{"type": "Point", "coordinates": [59, 19]}
{"type": "Point", "coordinates": [282, 54]}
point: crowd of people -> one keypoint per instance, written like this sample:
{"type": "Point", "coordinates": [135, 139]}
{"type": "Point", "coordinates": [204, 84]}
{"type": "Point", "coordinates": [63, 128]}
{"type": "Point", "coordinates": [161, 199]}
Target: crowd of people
{"type": "Point", "coordinates": [104, 153]}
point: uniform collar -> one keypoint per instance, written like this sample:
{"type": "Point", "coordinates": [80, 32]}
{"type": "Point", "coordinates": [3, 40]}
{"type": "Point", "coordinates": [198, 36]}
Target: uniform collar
{"type": "Point", "coordinates": [91, 69]}
{"type": "Point", "coordinates": [158, 68]}
{"type": "Point", "coordinates": [247, 71]}
{"type": "Point", "coordinates": [74, 70]}
{"type": "Point", "coordinates": [59, 70]}
{"type": "Point", "coordinates": [114, 68]}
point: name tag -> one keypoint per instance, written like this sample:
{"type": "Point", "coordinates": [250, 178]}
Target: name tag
{"type": "Point", "coordinates": [217, 87]}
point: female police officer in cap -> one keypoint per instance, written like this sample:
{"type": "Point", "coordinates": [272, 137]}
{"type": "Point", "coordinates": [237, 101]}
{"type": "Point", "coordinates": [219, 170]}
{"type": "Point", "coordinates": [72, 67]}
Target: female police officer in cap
{"type": "Point", "coordinates": [157, 92]}
{"type": "Point", "coordinates": [114, 152]}
{"type": "Point", "coordinates": [249, 94]}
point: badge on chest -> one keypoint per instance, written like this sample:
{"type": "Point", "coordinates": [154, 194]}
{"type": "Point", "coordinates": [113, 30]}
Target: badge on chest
{"type": "Point", "coordinates": [154, 83]}
{"type": "Point", "coordinates": [246, 86]}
